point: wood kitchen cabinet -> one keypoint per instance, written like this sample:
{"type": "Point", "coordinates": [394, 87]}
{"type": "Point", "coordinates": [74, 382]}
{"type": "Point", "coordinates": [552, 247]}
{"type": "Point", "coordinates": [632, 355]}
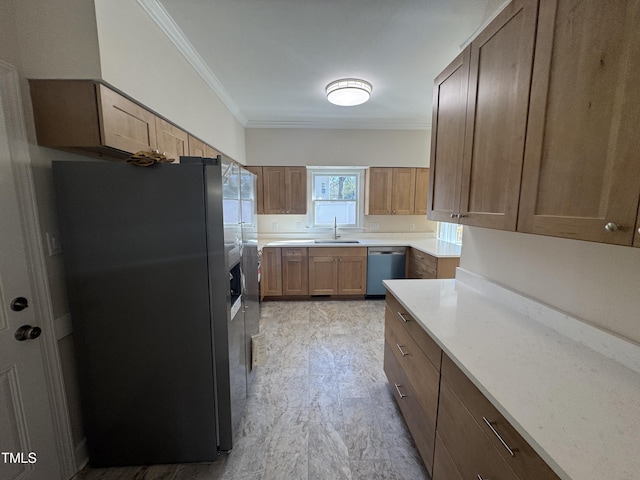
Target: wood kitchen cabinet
{"type": "Point", "coordinates": [412, 365]}
{"type": "Point", "coordinates": [89, 117]}
{"type": "Point", "coordinates": [172, 141]}
{"type": "Point", "coordinates": [422, 265]}
{"type": "Point", "coordinates": [477, 438]}
{"type": "Point", "coordinates": [390, 191]}
{"type": "Point", "coordinates": [197, 148]}
{"type": "Point", "coordinates": [421, 191]}
{"type": "Point", "coordinates": [295, 271]}
{"type": "Point", "coordinates": [271, 272]}
{"type": "Point", "coordinates": [581, 166]}
{"type": "Point", "coordinates": [337, 271]}
{"type": "Point", "coordinates": [472, 439]}
{"type": "Point", "coordinates": [284, 190]}
{"type": "Point", "coordinates": [257, 171]}
{"type": "Point", "coordinates": [447, 138]}
{"type": "Point", "coordinates": [479, 184]}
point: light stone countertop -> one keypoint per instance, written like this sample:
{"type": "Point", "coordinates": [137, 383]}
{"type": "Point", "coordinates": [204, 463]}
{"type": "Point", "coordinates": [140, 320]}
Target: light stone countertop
{"type": "Point", "coordinates": [570, 389]}
{"type": "Point", "coordinates": [431, 246]}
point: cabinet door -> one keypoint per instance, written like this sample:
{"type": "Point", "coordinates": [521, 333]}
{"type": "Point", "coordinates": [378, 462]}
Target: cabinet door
{"type": "Point", "coordinates": [295, 271]}
{"type": "Point", "coordinates": [581, 165]}
{"type": "Point", "coordinates": [378, 191]}
{"type": "Point", "coordinates": [273, 190]}
{"type": "Point", "coordinates": [295, 186]}
{"type": "Point", "coordinates": [271, 272]}
{"type": "Point", "coordinates": [257, 171]}
{"type": "Point", "coordinates": [403, 190]}
{"type": "Point", "coordinates": [211, 152]}
{"type": "Point", "coordinates": [499, 82]}
{"type": "Point", "coordinates": [323, 275]}
{"type": "Point", "coordinates": [447, 139]}
{"type": "Point", "coordinates": [172, 141]}
{"type": "Point", "coordinates": [422, 191]}
{"type": "Point", "coordinates": [125, 125]}
{"type": "Point", "coordinates": [197, 148]}
{"type": "Point", "coordinates": [352, 275]}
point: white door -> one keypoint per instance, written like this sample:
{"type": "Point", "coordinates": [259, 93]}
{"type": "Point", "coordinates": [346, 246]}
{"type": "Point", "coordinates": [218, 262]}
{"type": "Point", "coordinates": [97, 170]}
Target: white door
{"type": "Point", "coordinates": [27, 441]}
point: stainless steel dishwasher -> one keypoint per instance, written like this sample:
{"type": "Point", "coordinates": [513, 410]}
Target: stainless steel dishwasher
{"type": "Point", "coordinates": [383, 263]}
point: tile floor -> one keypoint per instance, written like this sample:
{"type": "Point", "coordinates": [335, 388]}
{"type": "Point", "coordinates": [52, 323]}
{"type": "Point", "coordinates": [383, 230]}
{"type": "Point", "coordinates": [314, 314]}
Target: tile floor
{"type": "Point", "coordinates": [320, 409]}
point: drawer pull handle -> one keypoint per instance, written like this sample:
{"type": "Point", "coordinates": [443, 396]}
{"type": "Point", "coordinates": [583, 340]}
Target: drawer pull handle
{"type": "Point", "coordinates": [402, 395]}
{"type": "Point", "coordinates": [495, 432]}
{"type": "Point", "coordinates": [420, 256]}
{"type": "Point", "coordinates": [404, 319]}
{"type": "Point", "coordinates": [404, 354]}
{"type": "Point", "coordinates": [480, 477]}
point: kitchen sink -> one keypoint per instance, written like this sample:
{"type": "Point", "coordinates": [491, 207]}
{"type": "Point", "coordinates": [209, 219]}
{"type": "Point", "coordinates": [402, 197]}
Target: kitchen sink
{"type": "Point", "coordinates": [337, 240]}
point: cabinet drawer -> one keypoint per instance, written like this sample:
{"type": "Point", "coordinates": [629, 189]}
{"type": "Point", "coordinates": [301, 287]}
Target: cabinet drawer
{"type": "Point", "coordinates": [422, 375]}
{"type": "Point", "coordinates": [424, 258]}
{"type": "Point", "coordinates": [524, 461]}
{"type": "Point", "coordinates": [443, 466]}
{"type": "Point", "coordinates": [421, 427]}
{"type": "Point", "coordinates": [417, 333]}
{"type": "Point", "coordinates": [472, 453]}
{"type": "Point", "coordinates": [294, 253]}
{"type": "Point", "coordinates": [418, 269]}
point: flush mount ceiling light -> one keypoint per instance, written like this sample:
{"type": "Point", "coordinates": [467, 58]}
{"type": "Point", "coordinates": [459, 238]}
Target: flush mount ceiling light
{"type": "Point", "coordinates": [348, 92]}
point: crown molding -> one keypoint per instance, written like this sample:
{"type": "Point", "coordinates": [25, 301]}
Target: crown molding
{"type": "Point", "coordinates": [163, 20]}
{"type": "Point", "coordinates": [339, 125]}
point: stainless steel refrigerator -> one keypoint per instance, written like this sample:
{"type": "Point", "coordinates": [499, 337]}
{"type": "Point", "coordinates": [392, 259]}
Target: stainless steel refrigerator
{"type": "Point", "coordinates": [161, 267]}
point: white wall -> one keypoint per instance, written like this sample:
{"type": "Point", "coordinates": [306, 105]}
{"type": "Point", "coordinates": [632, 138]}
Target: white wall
{"type": "Point", "coordinates": [138, 58]}
{"type": "Point", "coordinates": [595, 282]}
{"type": "Point", "coordinates": [57, 38]}
{"type": "Point", "coordinates": [314, 147]}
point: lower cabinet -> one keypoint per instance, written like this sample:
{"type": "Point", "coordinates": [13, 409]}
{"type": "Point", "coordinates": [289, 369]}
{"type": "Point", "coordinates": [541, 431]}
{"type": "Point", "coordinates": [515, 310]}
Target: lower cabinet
{"type": "Point", "coordinates": [295, 271]}
{"type": "Point", "coordinates": [337, 271]}
{"type": "Point", "coordinates": [423, 265]}
{"type": "Point", "coordinates": [301, 271]}
{"type": "Point", "coordinates": [414, 379]}
{"type": "Point", "coordinates": [271, 272]}
{"type": "Point", "coordinates": [472, 440]}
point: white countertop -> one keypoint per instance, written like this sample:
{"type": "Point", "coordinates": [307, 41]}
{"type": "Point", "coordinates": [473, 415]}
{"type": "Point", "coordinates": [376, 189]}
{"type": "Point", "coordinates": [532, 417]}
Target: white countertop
{"type": "Point", "coordinates": [431, 246]}
{"type": "Point", "coordinates": [571, 390]}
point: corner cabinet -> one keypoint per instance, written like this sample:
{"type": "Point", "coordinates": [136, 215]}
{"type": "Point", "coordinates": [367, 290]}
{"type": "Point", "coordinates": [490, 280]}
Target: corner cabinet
{"type": "Point", "coordinates": [582, 164]}
{"type": "Point", "coordinates": [480, 120]}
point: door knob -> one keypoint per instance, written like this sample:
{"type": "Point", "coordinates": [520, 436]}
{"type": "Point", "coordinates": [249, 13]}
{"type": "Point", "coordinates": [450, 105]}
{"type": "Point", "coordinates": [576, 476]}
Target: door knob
{"type": "Point", "coordinates": [19, 303]}
{"type": "Point", "coordinates": [27, 332]}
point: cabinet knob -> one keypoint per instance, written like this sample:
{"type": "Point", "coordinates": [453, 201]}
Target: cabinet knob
{"type": "Point", "coordinates": [454, 215]}
{"type": "Point", "coordinates": [611, 227]}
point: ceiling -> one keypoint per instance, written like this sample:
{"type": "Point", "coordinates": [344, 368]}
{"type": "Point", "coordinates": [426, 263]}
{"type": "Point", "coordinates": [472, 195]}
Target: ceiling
{"type": "Point", "coordinates": [270, 60]}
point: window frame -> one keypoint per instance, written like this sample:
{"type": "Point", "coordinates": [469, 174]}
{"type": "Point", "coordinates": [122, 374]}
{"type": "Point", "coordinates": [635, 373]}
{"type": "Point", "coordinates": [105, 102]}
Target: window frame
{"type": "Point", "coordinates": [312, 172]}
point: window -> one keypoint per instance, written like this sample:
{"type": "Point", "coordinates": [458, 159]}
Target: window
{"type": "Point", "coordinates": [449, 232]}
{"type": "Point", "coordinates": [335, 194]}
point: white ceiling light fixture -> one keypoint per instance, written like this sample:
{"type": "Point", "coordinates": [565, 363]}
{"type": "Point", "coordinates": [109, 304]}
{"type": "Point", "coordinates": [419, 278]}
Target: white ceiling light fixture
{"type": "Point", "coordinates": [348, 92]}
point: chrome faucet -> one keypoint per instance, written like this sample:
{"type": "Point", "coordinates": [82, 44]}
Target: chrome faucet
{"type": "Point", "coordinates": [335, 228]}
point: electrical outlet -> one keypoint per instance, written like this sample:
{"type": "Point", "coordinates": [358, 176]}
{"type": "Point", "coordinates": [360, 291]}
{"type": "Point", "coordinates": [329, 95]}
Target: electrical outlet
{"type": "Point", "coordinates": [274, 226]}
{"type": "Point", "coordinates": [412, 227]}
{"type": "Point", "coordinates": [374, 226]}
{"type": "Point", "coordinates": [298, 225]}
